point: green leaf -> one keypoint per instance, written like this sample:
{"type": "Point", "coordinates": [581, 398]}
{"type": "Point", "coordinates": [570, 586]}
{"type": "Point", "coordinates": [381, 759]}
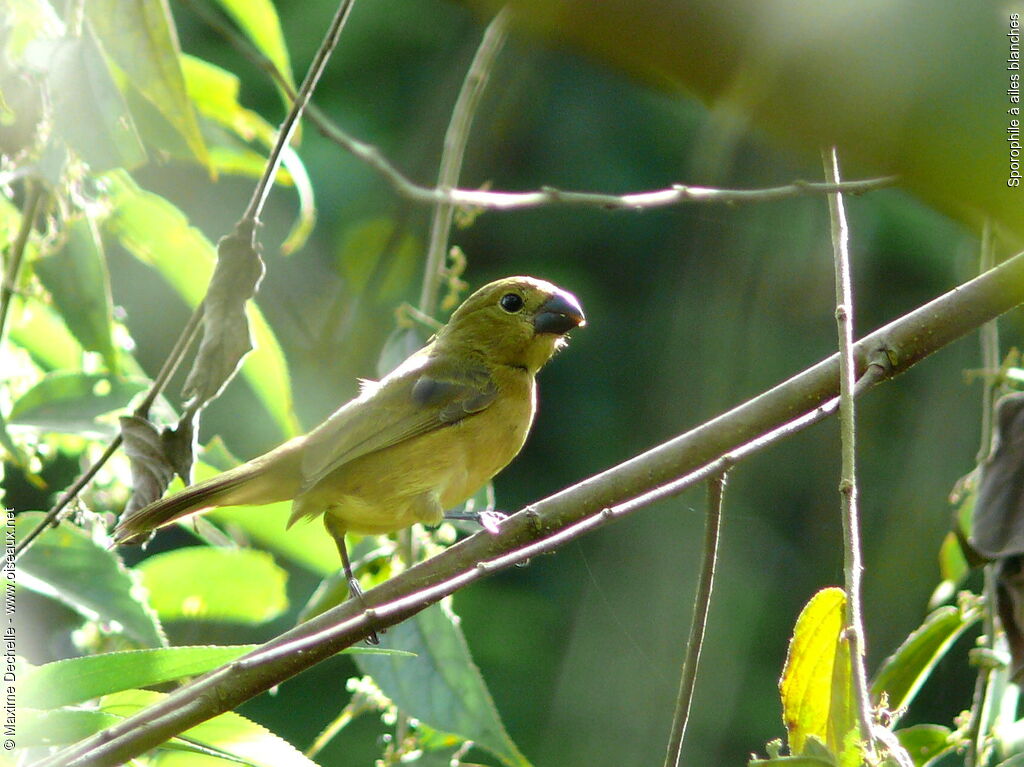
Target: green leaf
{"type": "Point", "coordinates": [76, 680]}
{"type": "Point", "coordinates": [38, 329]}
{"type": "Point", "coordinates": [441, 686]}
{"type": "Point", "coordinates": [76, 276]}
{"type": "Point", "coordinates": [902, 673]}
{"type": "Point", "coordinates": [158, 234]}
{"type": "Point", "coordinates": [54, 728]}
{"type": "Point", "coordinates": [377, 261]}
{"type": "Point", "coordinates": [231, 733]}
{"type": "Point", "coordinates": [791, 761]}
{"type": "Point", "coordinates": [215, 94]}
{"type": "Point", "coordinates": [817, 697]}
{"type": "Point", "coordinates": [89, 112]}
{"type": "Point", "coordinates": [258, 19]}
{"type": "Point", "coordinates": [925, 742]}
{"type": "Point", "coordinates": [206, 583]}
{"type": "Point", "coordinates": [64, 564]}
{"type": "Point", "coordinates": [139, 36]}
{"type": "Point", "coordinates": [306, 543]}
{"type": "Point", "coordinates": [72, 402]}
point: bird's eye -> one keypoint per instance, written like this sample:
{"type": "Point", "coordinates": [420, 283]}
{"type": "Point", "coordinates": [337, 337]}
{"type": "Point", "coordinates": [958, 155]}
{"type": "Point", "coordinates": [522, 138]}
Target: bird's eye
{"type": "Point", "coordinates": [511, 302]}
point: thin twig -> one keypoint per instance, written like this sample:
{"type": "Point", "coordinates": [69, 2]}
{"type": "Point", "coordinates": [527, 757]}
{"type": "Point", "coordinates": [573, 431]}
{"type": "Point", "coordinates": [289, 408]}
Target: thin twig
{"type": "Point", "coordinates": [852, 566]}
{"type": "Point", "coordinates": [455, 140]}
{"type": "Point", "coordinates": [989, 337]}
{"type": "Point", "coordinates": [284, 134]}
{"type": "Point", "coordinates": [33, 199]}
{"type": "Point", "coordinates": [902, 343]}
{"type": "Point", "coordinates": [173, 361]}
{"type": "Point", "coordinates": [702, 603]}
{"type": "Point", "coordinates": [369, 154]}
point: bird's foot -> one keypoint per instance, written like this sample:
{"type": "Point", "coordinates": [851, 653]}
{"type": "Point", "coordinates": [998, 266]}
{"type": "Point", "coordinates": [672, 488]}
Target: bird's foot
{"type": "Point", "coordinates": [488, 520]}
{"type": "Point", "coordinates": [356, 592]}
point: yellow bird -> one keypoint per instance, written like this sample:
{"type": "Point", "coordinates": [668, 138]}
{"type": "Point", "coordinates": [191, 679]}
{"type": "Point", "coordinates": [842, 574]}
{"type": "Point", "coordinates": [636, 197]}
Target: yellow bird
{"type": "Point", "coordinates": [420, 441]}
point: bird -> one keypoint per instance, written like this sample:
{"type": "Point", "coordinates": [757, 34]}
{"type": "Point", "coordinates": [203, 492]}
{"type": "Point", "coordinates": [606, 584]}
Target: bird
{"type": "Point", "coordinates": [420, 441]}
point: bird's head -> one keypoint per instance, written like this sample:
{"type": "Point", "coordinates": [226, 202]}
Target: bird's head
{"type": "Point", "coordinates": [518, 321]}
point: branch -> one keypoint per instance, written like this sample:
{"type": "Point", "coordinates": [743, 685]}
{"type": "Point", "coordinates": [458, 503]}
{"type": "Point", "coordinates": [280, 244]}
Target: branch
{"type": "Point", "coordinates": [587, 505]}
{"type": "Point", "coordinates": [702, 603]}
{"type": "Point", "coordinates": [677, 194]}
{"type": "Point", "coordinates": [852, 565]}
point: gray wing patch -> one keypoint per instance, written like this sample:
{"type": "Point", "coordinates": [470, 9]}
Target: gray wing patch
{"type": "Point", "coordinates": [454, 400]}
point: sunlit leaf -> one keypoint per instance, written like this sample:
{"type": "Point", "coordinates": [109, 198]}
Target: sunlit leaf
{"type": "Point", "coordinates": [230, 732]}
{"type": "Point", "coordinates": [817, 698]}
{"type": "Point", "coordinates": [441, 686]}
{"type": "Point", "coordinates": [54, 728]}
{"type": "Point", "coordinates": [206, 583]}
{"type": "Point", "coordinates": [902, 673]}
{"type": "Point", "coordinates": [89, 111]}
{"type": "Point", "coordinates": [157, 233]}
{"type": "Point", "coordinates": [139, 35]}
{"type": "Point", "coordinates": [76, 680]}
{"type": "Point", "coordinates": [64, 564]}
{"type": "Point", "coordinates": [38, 329]}
{"type": "Point", "coordinates": [215, 93]}
{"type": "Point", "coordinates": [76, 276]}
{"type": "Point", "coordinates": [258, 19]}
{"type": "Point", "coordinates": [72, 402]}
{"type": "Point", "coordinates": [305, 543]}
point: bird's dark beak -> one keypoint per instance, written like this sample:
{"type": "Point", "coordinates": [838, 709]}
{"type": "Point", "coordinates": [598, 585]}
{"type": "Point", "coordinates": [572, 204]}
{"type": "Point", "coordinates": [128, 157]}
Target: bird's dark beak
{"type": "Point", "coordinates": [559, 314]}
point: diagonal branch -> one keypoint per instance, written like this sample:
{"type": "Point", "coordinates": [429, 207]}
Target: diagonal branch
{"type": "Point", "coordinates": [895, 348]}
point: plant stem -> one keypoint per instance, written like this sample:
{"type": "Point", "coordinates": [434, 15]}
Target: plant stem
{"type": "Point", "coordinates": [852, 565]}
{"type": "Point", "coordinates": [702, 603]}
{"type": "Point", "coordinates": [33, 200]}
{"type": "Point", "coordinates": [455, 140]}
{"type": "Point", "coordinates": [989, 337]}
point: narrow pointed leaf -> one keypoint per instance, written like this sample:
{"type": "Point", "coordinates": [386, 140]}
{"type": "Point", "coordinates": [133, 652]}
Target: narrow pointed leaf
{"type": "Point", "coordinates": [259, 20]}
{"type": "Point", "coordinates": [77, 680]}
{"type": "Point", "coordinates": [139, 35]}
{"type": "Point", "coordinates": [902, 673]}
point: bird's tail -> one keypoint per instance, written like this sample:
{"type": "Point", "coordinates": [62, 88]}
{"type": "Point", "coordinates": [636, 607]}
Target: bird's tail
{"type": "Point", "coordinates": [135, 525]}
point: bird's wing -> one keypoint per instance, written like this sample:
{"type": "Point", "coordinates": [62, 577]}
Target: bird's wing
{"type": "Point", "coordinates": [427, 397]}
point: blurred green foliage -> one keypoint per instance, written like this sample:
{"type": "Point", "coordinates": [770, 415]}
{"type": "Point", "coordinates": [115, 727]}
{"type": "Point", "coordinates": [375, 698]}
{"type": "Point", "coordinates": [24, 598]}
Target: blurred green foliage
{"type": "Point", "coordinates": [690, 310]}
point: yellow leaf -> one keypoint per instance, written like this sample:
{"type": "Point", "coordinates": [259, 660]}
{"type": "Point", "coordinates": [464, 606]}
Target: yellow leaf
{"type": "Point", "coordinates": [816, 688]}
